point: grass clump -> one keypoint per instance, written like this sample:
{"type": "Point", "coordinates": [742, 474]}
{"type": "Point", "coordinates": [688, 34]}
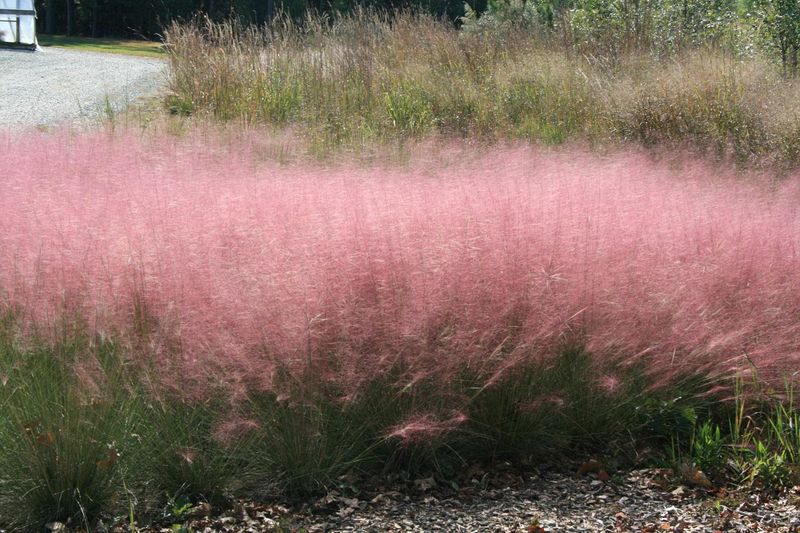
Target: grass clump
{"type": "Point", "coordinates": [68, 418]}
{"type": "Point", "coordinates": [182, 455]}
{"type": "Point", "coordinates": [718, 112]}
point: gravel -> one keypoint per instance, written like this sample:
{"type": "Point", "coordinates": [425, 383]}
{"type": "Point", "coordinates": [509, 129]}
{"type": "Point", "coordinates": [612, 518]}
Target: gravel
{"type": "Point", "coordinates": [53, 86]}
{"type": "Point", "coordinates": [645, 501]}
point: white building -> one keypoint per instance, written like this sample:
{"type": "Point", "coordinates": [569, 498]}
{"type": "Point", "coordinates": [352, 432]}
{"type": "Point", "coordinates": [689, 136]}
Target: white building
{"type": "Point", "coordinates": [17, 23]}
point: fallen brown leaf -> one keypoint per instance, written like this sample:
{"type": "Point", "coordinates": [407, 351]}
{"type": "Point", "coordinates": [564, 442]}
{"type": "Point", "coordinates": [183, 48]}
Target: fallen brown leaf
{"type": "Point", "coordinates": [590, 467]}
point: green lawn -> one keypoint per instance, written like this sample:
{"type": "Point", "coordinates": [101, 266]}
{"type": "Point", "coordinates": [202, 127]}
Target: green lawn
{"type": "Point", "coordinates": [112, 46]}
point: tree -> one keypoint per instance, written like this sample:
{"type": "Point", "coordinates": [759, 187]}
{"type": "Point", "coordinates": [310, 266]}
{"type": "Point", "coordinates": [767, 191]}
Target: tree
{"type": "Point", "coordinates": [780, 24]}
{"type": "Point", "coordinates": [785, 30]}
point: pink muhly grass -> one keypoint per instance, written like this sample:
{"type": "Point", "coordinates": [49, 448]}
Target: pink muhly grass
{"type": "Point", "coordinates": [234, 430]}
{"type": "Point", "coordinates": [422, 428]}
{"type": "Point", "coordinates": [609, 383]}
{"type": "Point", "coordinates": [551, 401]}
{"type": "Point", "coordinates": [232, 268]}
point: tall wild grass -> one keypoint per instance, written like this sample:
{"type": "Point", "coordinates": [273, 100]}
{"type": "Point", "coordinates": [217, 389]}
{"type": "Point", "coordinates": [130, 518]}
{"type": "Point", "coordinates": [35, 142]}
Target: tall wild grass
{"type": "Point", "coordinates": [189, 317]}
{"type": "Point", "coordinates": [367, 77]}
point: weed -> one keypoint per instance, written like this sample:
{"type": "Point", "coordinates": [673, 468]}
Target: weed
{"type": "Point", "coordinates": [707, 448]}
{"type": "Point", "coordinates": [409, 112]}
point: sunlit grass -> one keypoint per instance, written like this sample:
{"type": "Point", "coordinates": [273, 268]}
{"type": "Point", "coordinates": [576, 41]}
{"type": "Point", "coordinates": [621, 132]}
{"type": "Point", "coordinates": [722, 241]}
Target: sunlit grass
{"type": "Point", "coordinates": [141, 48]}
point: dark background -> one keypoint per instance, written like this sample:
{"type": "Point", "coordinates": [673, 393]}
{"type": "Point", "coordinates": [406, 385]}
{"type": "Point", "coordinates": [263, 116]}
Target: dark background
{"type": "Point", "coordinates": [146, 18]}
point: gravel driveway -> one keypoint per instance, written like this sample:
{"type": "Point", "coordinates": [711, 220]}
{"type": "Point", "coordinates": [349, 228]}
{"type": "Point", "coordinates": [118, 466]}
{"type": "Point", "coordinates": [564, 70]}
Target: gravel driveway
{"type": "Point", "coordinates": [53, 85]}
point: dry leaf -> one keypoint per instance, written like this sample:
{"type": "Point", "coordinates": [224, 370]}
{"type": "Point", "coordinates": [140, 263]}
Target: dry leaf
{"type": "Point", "coordinates": [589, 467]}
{"type": "Point", "coordinates": [425, 484]}
{"type": "Point", "coordinates": [113, 457]}
{"type": "Point", "coordinates": [695, 476]}
{"type": "Point", "coordinates": [46, 438]}
{"type": "Point", "coordinates": [188, 455]}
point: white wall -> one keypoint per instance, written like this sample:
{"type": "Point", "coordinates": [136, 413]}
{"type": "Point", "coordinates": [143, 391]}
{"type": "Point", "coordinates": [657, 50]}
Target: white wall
{"type": "Point", "coordinates": [27, 24]}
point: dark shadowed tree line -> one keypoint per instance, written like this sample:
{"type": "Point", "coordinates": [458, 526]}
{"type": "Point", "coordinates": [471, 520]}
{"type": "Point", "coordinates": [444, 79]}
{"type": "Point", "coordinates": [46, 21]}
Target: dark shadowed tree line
{"type": "Point", "coordinates": [146, 18]}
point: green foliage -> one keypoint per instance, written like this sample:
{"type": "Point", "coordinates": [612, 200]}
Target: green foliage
{"type": "Point", "coordinates": [784, 428]}
{"type": "Point", "coordinates": [613, 27]}
{"type": "Point", "coordinates": [602, 26]}
{"type": "Point", "coordinates": [179, 105]}
{"type": "Point", "coordinates": [707, 448]}
{"type": "Point", "coordinates": [181, 507]}
{"type": "Point", "coordinates": [781, 25]}
{"type": "Point", "coordinates": [767, 466]}
{"type": "Point", "coordinates": [310, 435]}
{"type": "Point", "coordinates": [182, 454]}
{"type": "Point", "coordinates": [507, 14]}
{"type": "Point", "coordinates": [758, 448]}
{"type": "Point", "coordinates": [409, 111]}
{"type": "Point", "coordinates": [544, 108]}
{"type": "Point", "coordinates": [675, 417]}
{"type": "Point", "coordinates": [279, 97]}
{"type": "Point", "coordinates": [538, 412]}
{"type": "Point", "coordinates": [461, 111]}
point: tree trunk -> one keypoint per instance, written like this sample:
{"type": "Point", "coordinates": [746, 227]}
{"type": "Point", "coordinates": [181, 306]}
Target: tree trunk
{"type": "Point", "coordinates": [784, 53]}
